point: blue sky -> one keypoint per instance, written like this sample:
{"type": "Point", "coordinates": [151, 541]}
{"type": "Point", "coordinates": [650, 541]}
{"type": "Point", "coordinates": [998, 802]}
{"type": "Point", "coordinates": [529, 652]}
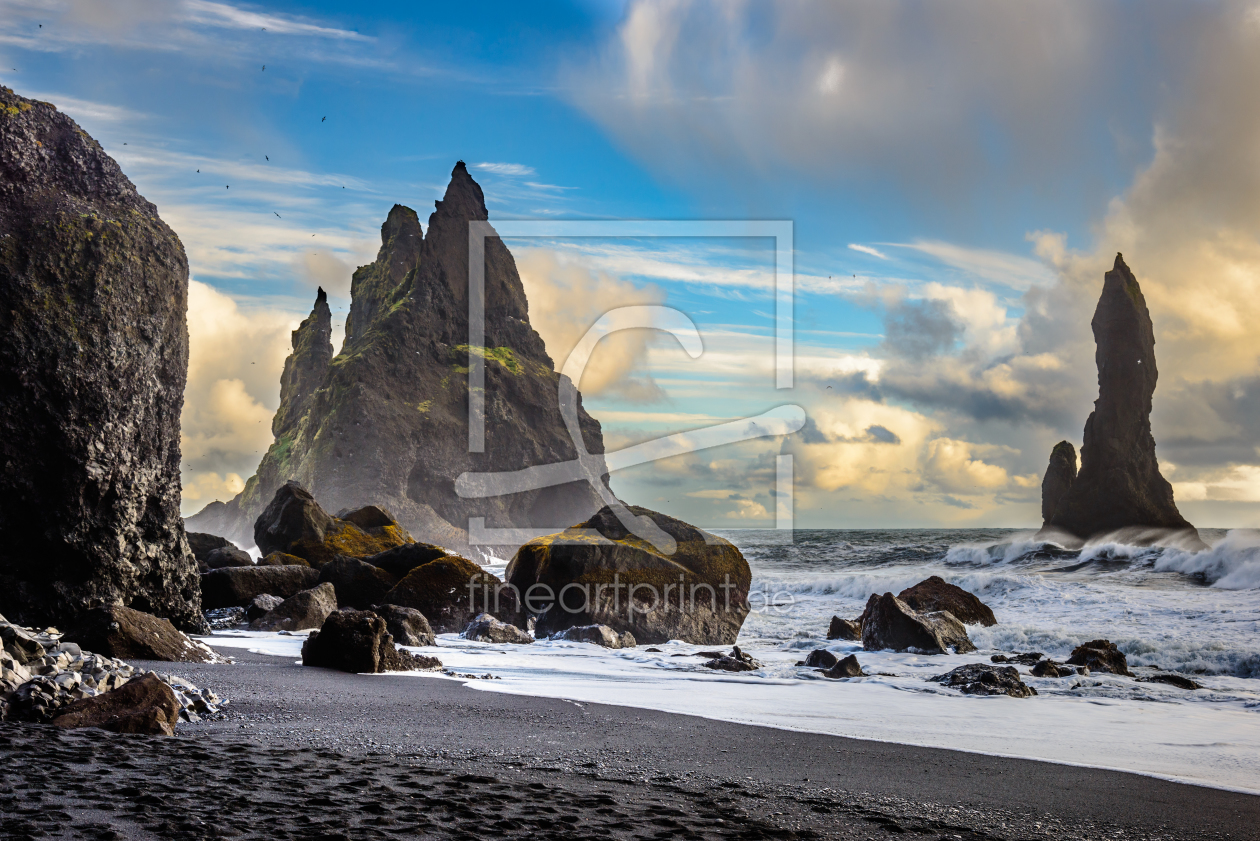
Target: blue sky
{"type": "Point", "coordinates": [956, 174]}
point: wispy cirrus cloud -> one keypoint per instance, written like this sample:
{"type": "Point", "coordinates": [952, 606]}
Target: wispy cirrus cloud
{"type": "Point", "coordinates": [234, 17]}
{"type": "Point", "coordinates": [518, 170]}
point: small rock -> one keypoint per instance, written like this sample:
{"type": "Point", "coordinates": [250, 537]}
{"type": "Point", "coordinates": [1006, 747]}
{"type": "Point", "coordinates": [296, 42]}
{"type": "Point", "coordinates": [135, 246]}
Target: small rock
{"type": "Point", "coordinates": [1049, 668]}
{"type": "Point", "coordinates": [848, 667]}
{"type": "Point", "coordinates": [821, 658]}
{"type": "Point", "coordinates": [596, 635]}
{"type": "Point", "coordinates": [1101, 656]}
{"type": "Point", "coordinates": [260, 605]}
{"type": "Point", "coordinates": [983, 679]}
{"type": "Point", "coordinates": [407, 625]}
{"type": "Point", "coordinates": [736, 661]}
{"type": "Point", "coordinates": [844, 629]}
{"type": "Point", "coordinates": [1172, 679]}
{"type": "Point", "coordinates": [1027, 659]}
{"type": "Point", "coordinates": [305, 610]}
{"type": "Point", "coordinates": [485, 628]}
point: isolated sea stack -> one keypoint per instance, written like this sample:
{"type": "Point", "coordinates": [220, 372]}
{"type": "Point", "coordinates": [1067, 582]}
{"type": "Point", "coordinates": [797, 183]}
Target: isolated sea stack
{"type": "Point", "coordinates": [93, 359]}
{"type": "Point", "coordinates": [1119, 485]}
{"type": "Point", "coordinates": [385, 422]}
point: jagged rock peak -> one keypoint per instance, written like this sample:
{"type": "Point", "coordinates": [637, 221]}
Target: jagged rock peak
{"type": "Point", "coordinates": [1119, 484]}
{"type": "Point", "coordinates": [306, 367]}
{"type": "Point", "coordinates": [375, 287]}
{"type": "Point", "coordinates": [93, 362]}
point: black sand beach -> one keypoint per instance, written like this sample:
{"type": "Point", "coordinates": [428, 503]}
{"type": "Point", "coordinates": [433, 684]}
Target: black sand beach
{"type": "Point", "coordinates": [309, 753]}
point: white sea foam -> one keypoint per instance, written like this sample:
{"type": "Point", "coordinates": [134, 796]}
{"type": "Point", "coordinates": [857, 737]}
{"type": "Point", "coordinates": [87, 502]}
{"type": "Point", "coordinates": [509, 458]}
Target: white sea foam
{"type": "Point", "coordinates": [1232, 564]}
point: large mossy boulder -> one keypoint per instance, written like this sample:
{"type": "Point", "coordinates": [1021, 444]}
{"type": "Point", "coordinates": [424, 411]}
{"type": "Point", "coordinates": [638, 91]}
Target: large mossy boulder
{"type": "Point", "coordinates": [403, 559]}
{"type": "Point", "coordinates": [935, 593]}
{"type": "Point", "coordinates": [93, 362]}
{"type": "Point", "coordinates": [890, 624]}
{"type": "Point", "coordinates": [598, 573]}
{"type": "Point", "coordinates": [294, 523]}
{"type": "Point", "coordinates": [237, 586]}
{"type": "Point", "coordinates": [451, 591]}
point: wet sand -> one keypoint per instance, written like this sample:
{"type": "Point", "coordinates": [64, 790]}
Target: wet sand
{"type": "Point", "coordinates": [309, 753]}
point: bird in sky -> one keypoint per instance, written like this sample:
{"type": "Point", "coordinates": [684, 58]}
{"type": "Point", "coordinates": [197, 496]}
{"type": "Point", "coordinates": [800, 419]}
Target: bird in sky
{"type": "Point", "coordinates": [278, 216]}
{"type": "Point", "coordinates": [227, 186]}
{"type": "Point", "coordinates": [199, 170]}
{"type": "Point", "coordinates": [264, 67]}
{"type": "Point", "coordinates": [268, 157]}
{"type": "Point", "coordinates": [325, 118]}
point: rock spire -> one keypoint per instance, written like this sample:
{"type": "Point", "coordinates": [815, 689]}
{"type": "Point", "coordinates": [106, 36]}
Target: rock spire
{"type": "Point", "coordinates": [93, 361]}
{"type": "Point", "coordinates": [1119, 485]}
{"type": "Point", "coordinates": [386, 423]}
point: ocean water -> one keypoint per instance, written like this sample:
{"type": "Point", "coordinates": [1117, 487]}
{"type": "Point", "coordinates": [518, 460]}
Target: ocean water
{"type": "Point", "coordinates": [1195, 613]}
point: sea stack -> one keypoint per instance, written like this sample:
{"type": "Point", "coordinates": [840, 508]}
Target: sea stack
{"type": "Point", "coordinates": [93, 360]}
{"type": "Point", "coordinates": [385, 421]}
{"type": "Point", "coordinates": [1119, 485]}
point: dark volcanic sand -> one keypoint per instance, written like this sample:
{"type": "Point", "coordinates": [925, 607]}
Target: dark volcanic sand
{"type": "Point", "coordinates": [309, 753]}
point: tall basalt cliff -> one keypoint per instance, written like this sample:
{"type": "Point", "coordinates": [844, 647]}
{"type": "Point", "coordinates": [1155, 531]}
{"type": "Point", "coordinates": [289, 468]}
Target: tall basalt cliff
{"type": "Point", "coordinates": [1119, 485]}
{"type": "Point", "coordinates": [388, 423]}
{"type": "Point", "coordinates": [93, 360]}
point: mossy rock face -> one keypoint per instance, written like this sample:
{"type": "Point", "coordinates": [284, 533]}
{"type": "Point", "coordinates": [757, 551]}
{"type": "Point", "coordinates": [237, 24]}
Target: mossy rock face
{"type": "Point", "coordinates": [451, 590]}
{"type": "Point", "coordinates": [295, 524]}
{"type": "Point", "coordinates": [597, 573]}
{"type": "Point", "coordinates": [93, 363]}
{"type": "Point", "coordinates": [281, 559]}
{"type": "Point", "coordinates": [403, 559]}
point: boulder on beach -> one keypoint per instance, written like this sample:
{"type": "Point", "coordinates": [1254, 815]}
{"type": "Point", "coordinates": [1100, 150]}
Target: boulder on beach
{"type": "Point", "coordinates": [260, 606]}
{"type": "Point", "coordinates": [600, 635]}
{"type": "Point", "coordinates": [141, 705]}
{"type": "Point", "coordinates": [1100, 656]}
{"type": "Point", "coordinates": [294, 523]}
{"type": "Point", "coordinates": [983, 679]}
{"type": "Point", "coordinates": [228, 556]}
{"type": "Point", "coordinates": [1119, 485]}
{"type": "Point", "coordinates": [451, 591]}
{"type": "Point", "coordinates": [359, 584]}
{"type": "Point", "coordinates": [1049, 668]}
{"type": "Point", "coordinates": [844, 629]}
{"type": "Point", "coordinates": [299, 612]}
{"type": "Point", "coordinates": [93, 364]}
{"type": "Point", "coordinates": [891, 624]}
{"type": "Point", "coordinates": [847, 667]}
{"type": "Point", "coordinates": [598, 573]}
{"type": "Point", "coordinates": [121, 632]}
{"type": "Point", "coordinates": [403, 559]}
{"type": "Point", "coordinates": [407, 625]}
{"type": "Point", "coordinates": [358, 641]}
{"type": "Point", "coordinates": [933, 594]}
{"type": "Point", "coordinates": [237, 586]}
{"type": "Point", "coordinates": [485, 628]}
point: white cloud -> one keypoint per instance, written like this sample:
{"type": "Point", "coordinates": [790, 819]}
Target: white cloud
{"type": "Point", "coordinates": [997, 267]}
{"type": "Point", "coordinates": [518, 170]}
{"type": "Point", "coordinates": [234, 17]}
{"type": "Point", "coordinates": [866, 249]}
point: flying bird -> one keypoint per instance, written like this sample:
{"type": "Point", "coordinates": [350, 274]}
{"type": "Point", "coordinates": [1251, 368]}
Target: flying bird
{"type": "Point", "coordinates": [278, 216]}
{"type": "Point", "coordinates": [264, 67]}
{"type": "Point", "coordinates": [325, 118]}
{"type": "Point", "coordinates": [227, 186]}
{"type": "Point", "coordinates": [268, 157]}
{"type": "Point", "coordinates": [199, 170]}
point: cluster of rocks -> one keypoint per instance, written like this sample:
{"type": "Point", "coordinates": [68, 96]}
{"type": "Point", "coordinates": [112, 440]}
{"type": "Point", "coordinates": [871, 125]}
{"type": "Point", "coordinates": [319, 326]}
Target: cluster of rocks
{"type": "Point", "coordinates": [832, 666]}
{"type": "Point", "coordinates": [43, 676]}
{"type": "Point", "coordinates": [359, 641]}
{"type": "Point", "coordinates": [736, 661]}
{"type": "Point", "coordinates": [983, 679]}
{"type": "Point", "coordinates": [1101, 656]}
{"type": "Point", "coordinates": [928, 618]}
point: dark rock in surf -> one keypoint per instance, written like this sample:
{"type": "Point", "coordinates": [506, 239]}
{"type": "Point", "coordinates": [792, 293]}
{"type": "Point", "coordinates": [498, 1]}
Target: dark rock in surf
{"type": "Point", "coordinates": [407, 625]}
{"type": "Point", "coordinates": [358, 641]}
{"type": "Point", "coordinates": [359, 584]}
{"type": "Point", "coordinates": [933, 594]}
{"type": "Point", "coordinates": [983, 679]}
{"type": "Point", "coordinates": [300, 612]}
{"type": "Point", "coordinates": [848, 667]}
{"type": "Point", "coordinates": [485, 628]}
{"type": "Point", "coordinates": [228, 556]}
{"type": "Point", "coordinates": [821, 658]}
{"type": "Point", "coordinates": [1049, 668]}
{"type": "Point", "coordinates": [386, 420]}
{"type": "Point", "coordinates": [1119, 484]}
{"type": "Point", "coordinates": [93, 303]}
{"type": "Point", "coordinates": [143, 705]}
{"type": "Point", "coordinates": [891, 624]}
{"type": "Point", "coordinates": [736, 661]}
{"type": "Point", "coordinates": [844, 629]}
{"type": "Point", "coordinates": [600, 635]}
{"type": "Point", "coordinates": [1172, 679]}
{"type": "Point", "coordinates": [698, 594]}
{"type": "Point", "coordinates": [1100, 656]}
{"type": "Point", "coordinates": [1026, 659]}
{"type": "Point", "coordinates": [237, 586]}
{"type": "Point", "coordinates": [131, 635]}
